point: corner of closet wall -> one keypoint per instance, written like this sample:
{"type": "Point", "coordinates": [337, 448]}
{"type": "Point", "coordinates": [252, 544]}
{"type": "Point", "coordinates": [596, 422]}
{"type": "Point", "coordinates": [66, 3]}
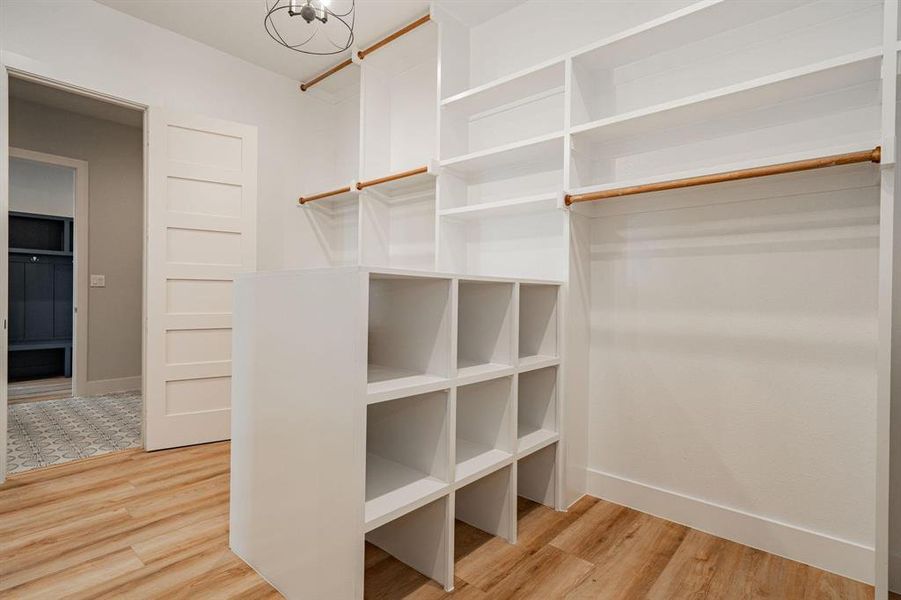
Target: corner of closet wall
{"type": "Point", "coordinates": [398, 118]}
{"type": "Point", "coordinates": [331, 164]}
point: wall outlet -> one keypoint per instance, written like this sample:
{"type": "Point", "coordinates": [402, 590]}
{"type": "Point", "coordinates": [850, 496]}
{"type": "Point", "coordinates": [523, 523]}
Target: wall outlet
{"type": "Point", "coordinates": [98, 280]}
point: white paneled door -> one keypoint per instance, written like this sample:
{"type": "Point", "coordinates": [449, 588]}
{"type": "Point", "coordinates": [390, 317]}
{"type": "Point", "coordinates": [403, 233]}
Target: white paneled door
{"type": "Point", "coordinates": [201, 231]}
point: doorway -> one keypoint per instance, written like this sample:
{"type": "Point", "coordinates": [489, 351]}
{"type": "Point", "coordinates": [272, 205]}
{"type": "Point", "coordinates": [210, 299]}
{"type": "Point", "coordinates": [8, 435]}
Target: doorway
{"type": "Point", "coordinates": [75, 277]}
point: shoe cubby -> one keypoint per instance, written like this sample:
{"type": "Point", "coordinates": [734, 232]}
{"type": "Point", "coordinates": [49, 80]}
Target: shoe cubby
{"type": "Point", "coordinates": [351, 374]}
{"type": "Point", "coordinates": [484, 428]}
{"type": "Point", "coordinates": [536, 409]}
{"type": "Point", "coordinates": [409, 334]}
{"type": "Point", "coordinates": [406, 455]}
{"type": "Point", "coordinates": [489, 504]}
{"type": "Point", "coordinates": [420, 539]}
{"type": "Point", "coordinates": [537, 323]}
{"type": "Point", "coordinates": [536, 476]}
{"type": "Point", "coordinates": [485, 328]}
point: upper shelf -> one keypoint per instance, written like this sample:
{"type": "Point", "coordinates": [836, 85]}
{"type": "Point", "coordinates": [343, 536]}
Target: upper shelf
{"type": "Point", "coordinates": [542, 152]}
{"type": "Point", "coordinates": [512, 88]}
{"type": "Point", "coordinates": [503, 208]}
{"type": "Point", "coordinates": [675, 29]}
{"type": "Point", "coordinates": [811, 82]}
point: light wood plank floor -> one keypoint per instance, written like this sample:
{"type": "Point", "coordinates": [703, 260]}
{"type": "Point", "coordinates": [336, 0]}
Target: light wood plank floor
{"type": "Point", "coordinates": [139, 525]}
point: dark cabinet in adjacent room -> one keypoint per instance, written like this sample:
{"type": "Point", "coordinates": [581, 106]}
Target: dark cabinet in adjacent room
{"type": "Point", "coordinates": [40, 296]}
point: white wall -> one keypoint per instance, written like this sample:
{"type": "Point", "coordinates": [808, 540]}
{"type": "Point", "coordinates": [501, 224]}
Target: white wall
{"type": "Point", "coordinates": [93, 46]}
{"type": "Point", "coordinates": [733, 361]}
{"type": "Point", "coordinates": [41, 188]}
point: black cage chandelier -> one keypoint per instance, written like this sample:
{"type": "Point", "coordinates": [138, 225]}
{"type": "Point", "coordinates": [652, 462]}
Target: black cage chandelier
{"type": "Point", "coordinates": [311, 26]}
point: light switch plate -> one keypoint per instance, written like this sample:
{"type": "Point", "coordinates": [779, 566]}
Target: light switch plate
{"type": "Point", "coordinates": [98, 280]}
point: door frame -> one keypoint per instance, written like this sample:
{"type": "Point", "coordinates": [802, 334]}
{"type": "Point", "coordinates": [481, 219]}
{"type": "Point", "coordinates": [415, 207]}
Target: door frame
{"type": "Point", "coordinates": [80, 257]}
{"type": "Point", "coordinates": [6, 71]}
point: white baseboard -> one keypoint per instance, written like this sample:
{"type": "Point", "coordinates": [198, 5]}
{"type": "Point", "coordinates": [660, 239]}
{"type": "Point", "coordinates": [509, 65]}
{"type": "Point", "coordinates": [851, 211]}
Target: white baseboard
{"type": "Point", "coordinates": [839, 556]}
{"type": "Point", "coordinates": [109, 386]}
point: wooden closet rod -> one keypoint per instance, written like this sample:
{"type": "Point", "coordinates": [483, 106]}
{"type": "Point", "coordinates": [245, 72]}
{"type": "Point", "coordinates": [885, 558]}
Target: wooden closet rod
{"type": "Point", "coordinates": [362, 53]}
{"type": "Point", "coordinates": [365, 184]}
{"type": "Point", "coordinates": [305, 199]}
{"type": "Point", "coordinates": [387, 40]}
{"type": "Point", "coordinates": [307, 85]}
{"type": "Point", "coordinates": [835, 160]}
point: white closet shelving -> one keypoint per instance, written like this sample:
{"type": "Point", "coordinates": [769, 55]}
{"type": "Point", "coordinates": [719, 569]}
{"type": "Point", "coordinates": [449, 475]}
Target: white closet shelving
{"type": "Point", "coordinates": [485, 334]}
{"type": "Point", "coordinates": [399, 121]}
{"type": "Point", "coordinates": [725, 85]}
{"type": "Point", "coordinates": [387, 402]}
{"type": "Point", "coordinates": [407, 354]}
{"type": "Point", "coordinates": [335, 220]}
{"type": "Point", "coordinates": [477, 362]}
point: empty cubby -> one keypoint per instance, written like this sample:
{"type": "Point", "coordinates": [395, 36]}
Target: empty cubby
{"type": "Point", "coordinates": [537, 321]}
{"type": "Point", "coordinates": [409, 330]}
{"type": "Point", "coordinates": [489, 504]}
{"type": "Point", "coordinates": [536, 476]}
{"type": "Point", "coordinates": [406, 454]}
{"type": "Point", "coordinates": [419, 539]}
{"type": "Point", "coordinates": [536, 408]}
{"type": "Point", "coordinates": [484, 427]}
{"type": "Point", "coordinates": [485, 326]}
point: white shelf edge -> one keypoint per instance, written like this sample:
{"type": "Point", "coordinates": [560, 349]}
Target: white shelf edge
{"type": "Point", "coordinates": [730, 90]}
{"type": "Point", "coordinates": [864, 144]}
{"type": "Point", "coordinates": [483, 372]}
{"type": "Point", "coordinates": [491, 461]}
{"type": "Point", "coordinates": [532, 363]}
{"type": "Point", "coordinates": [403, 387]}
{"type": "Point", "coordinates": [522, 73]}
{"type": "Point", "coordinates": [377, 521]}
{"type": "Point", "coordinates": [646, 27]}
{"type": "Point", "coordinates": [535, 441]}
{"type": "Point", "coordinates": [402, 273]}
{"type": "Point", "coordinates": [534, 141]}
{"type": "Point", "coordinates": [523, 205]}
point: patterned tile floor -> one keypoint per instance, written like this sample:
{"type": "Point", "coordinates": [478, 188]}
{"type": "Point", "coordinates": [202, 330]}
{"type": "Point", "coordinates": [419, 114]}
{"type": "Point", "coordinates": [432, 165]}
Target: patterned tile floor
{"type": "Point", "coordinates": [51, 432]}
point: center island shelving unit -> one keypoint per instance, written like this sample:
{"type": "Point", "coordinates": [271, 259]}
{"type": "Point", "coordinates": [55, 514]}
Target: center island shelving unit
{"type": "Point", "coordinates": [381, 405]}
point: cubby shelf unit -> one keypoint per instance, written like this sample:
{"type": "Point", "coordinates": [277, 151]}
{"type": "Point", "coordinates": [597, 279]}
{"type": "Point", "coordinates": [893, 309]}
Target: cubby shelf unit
{"type": "Point", "coordinates": [386, 394]}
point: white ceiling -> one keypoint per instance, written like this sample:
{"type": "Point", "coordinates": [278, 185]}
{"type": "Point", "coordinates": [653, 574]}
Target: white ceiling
{"type": "Point", "coordinates": [236, 26]}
